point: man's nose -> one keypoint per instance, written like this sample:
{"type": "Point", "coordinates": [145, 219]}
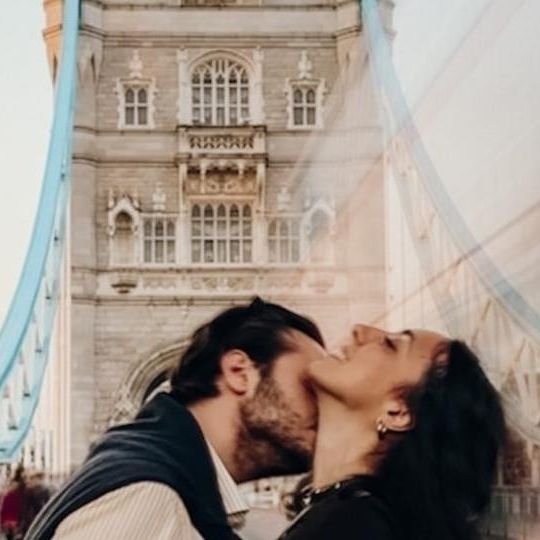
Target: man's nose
{"type": "Point", "coordinates": [362, 334]}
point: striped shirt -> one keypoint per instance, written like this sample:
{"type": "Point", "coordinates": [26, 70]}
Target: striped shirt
{"type": "Point", "coordinates": [147, 510]}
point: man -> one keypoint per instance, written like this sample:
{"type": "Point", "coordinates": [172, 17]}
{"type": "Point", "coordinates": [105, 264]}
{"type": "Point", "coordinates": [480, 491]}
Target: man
{"type": "Point", "coordinates": [239, 409]}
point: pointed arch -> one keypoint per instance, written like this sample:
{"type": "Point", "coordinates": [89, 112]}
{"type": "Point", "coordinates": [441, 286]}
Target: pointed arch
{"type": "Point", "coordinates": [221, 232]}
{"type": "Point", "coordinates": [123, 250]}
{"type": "Point", "coordinates": [284, 240]}
{"type": "Point", "coordinates": [144, 378]}
{"type": "Point", "coordinates": [318, 225]}
{"type": "Point", "coordinates": [221, 89]}
{"type": "Point", "coordinates": [123, 226]}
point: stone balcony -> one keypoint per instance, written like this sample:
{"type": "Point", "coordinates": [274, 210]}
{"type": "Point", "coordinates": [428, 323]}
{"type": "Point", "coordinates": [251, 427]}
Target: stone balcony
{"type": "Point", "coordinates": [222, 160]}
{"type": "Point", "coordinates": [221, 142]}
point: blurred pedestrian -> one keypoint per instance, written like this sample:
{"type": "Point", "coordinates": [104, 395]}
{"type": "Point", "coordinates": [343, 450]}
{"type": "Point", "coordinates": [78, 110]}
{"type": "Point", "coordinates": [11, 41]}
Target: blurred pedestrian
{"type": "Point", "coordinates": [36, 495]}
{"type": "Point", "coordinates": [12, 505]}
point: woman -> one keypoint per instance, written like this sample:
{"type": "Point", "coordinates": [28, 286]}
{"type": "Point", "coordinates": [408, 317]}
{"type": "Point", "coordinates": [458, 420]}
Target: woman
{"type": "Point", "coordinates": [409, 434]}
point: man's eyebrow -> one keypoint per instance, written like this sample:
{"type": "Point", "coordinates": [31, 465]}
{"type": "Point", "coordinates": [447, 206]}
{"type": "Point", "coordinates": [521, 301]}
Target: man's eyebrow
{"type": "Point", "coordinates": [409, 333]}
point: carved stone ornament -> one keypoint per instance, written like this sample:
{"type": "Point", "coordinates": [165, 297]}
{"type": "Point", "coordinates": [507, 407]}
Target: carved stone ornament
{"type": "Point", "coordinates": [222, 142]}
{"type": "Point", "coordinates": [284, 199]}
{"type": "Point", "coordinates": [283, 281]}
{"type": "Point", "coordinates": [124, 408]}
{"type": "Point", "coordinates": [159, 199]}
{"type": "Point", "coordinates": [223, 283]}
{"type": "Point", "coordinates": [160, 282]}
{"type": "Point", "coordinates": [321, 282]}
{"type": "Point", "coordinates": [124, 282]}
{"type": "Point", "coordinates": [135, 66]}
{"type": "Point", "coordinates": [220, 183]}
{"type": "Point", "coordinates": [305, 81]}
{"type": "Point", "coordinates": [136, 80]}
{"type": "Point", "coordinates": [128, 203]}
{"type": "Point", "coordinates": [305, 66]}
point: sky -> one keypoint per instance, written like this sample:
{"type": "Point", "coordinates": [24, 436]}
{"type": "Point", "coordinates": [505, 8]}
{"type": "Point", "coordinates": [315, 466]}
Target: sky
{"type": "Point", "coordinates": [25, 113]}
{"type": "Point", "coordinates": [474, 87]}
{"type": "Point", "coordinates": [431, 35]}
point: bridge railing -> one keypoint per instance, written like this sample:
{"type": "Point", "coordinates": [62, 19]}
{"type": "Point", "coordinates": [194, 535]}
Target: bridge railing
{"type": "Point", "coordinates": [26, 333]}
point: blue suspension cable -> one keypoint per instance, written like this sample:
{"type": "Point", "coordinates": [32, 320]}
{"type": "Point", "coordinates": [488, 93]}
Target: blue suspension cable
{"type": "Point", "coordinates": [40, 277]}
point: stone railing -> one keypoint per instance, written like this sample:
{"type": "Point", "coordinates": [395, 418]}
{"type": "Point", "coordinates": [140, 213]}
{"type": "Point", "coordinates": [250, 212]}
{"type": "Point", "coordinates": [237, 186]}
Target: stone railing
{"type": "Point", "coordinates": [509, 501]}
{"type": "Point", "coordinates": [167, 4]}
{"type": "Point", "coordinates": [221, 141]}
{"type": "Point", "coordinates": [222, 281]}
{"type": "Point", "coordinates": [514, 514]}
{"type": "Point", "coordinates": [220, 2]}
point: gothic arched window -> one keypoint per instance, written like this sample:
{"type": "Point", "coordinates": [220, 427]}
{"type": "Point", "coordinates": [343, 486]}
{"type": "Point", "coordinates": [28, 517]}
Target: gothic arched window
{"type": "Point", "coordinates": [284, 240]}
{"type": "Point", "coordinates": [123, 252]}
{"type": "Point", "coordinates": [220, 93]}
{"type": "Point", "coordinates": [135, 106]}
{"type": "Point", "coordinates": [221, 233]}
{"type": "Point", "coordinates": [159, 240]}
{"type": "Point", "coordinates": [320, 242]}
{"type": "Point", "coordinates": [304, 106]}
{"type": "Point", "coordinates": [305, 97]}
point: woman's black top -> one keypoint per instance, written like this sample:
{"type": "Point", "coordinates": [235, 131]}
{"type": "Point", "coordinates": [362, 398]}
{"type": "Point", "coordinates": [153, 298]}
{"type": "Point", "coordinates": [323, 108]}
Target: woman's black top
{"type": "Point", "coordinates": [353, 510]}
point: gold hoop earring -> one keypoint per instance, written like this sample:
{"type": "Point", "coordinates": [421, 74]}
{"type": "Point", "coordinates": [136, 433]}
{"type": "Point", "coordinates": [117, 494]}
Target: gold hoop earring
{"type": "Point", "coordinates": [382, 429]}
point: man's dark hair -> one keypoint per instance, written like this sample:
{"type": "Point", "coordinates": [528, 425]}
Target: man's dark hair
{"type": "Point", "coordinates": [259, 329]}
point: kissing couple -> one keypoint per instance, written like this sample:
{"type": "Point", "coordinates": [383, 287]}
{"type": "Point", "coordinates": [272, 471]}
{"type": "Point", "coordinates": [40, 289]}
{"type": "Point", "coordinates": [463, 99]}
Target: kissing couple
{"type": "Point", "coordinates": [401, 432]}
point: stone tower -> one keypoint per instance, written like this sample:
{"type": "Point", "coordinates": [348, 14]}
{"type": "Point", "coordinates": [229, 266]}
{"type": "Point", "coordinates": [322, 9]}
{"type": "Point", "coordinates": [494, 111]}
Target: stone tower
{"type": "Point", "coordinates": [193, 186]}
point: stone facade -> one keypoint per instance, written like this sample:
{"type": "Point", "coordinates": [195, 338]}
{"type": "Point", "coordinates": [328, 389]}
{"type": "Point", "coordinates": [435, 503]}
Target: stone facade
{"type": "Point", "coordinates": [143, 159]}
{"type": "Point", "coordinates": [126, 317]}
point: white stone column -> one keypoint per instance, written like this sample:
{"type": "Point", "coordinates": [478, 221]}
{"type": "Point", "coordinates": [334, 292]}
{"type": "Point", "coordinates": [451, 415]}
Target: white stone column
{"type": "Point", "coordinates": [259, 236]}
{"type": "Point", "coordinates": [257, 100]}
{"type": "Point", "coordinates": [183, 244]}
{"type": "Point", "coordinates": [534, 455]}
{"type": "Point", "coordinates": [184, 88]}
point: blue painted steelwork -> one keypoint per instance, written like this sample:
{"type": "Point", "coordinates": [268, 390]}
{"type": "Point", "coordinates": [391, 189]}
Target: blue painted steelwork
{"type": "Point", "coordinates": [522, 313]}
{"type": "Point", "coordinates": [26, 333]}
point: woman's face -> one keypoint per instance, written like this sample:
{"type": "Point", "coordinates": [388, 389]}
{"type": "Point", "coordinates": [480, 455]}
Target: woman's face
{"type": "Point", "coordinates": [376, 364]}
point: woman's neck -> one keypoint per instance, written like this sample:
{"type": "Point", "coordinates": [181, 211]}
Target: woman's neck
{"type": "Point", "coordinates": [345, 445]}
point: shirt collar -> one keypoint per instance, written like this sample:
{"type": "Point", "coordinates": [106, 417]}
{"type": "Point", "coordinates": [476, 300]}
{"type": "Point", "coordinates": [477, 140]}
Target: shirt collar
{"type": "Point", "coordinates": [235, 506]}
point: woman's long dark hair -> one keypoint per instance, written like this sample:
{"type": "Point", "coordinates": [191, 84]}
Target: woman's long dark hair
{"type": "Point", "coordinates": [439, 476]}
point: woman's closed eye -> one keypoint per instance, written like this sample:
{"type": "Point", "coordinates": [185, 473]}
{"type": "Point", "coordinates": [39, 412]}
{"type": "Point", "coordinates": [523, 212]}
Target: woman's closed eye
{"type": "Point", "coordinates": [389, 343]}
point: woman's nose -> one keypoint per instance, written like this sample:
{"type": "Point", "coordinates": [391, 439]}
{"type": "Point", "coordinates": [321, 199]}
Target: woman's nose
{"type": "Point", "coordinates": [362, 334]}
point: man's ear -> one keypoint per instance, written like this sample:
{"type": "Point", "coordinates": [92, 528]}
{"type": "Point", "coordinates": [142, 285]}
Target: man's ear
{"type": "Point", "coordinates": [397, 416]}
{"type": "Point", "coordinates": [239, 374]}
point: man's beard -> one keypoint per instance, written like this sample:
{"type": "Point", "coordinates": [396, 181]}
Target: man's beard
{"type": "Point", "coordinates": [268, 441]}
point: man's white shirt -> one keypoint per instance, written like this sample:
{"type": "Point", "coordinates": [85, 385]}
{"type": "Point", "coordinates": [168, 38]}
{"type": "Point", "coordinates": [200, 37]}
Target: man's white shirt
{"type": "Point", "coordinates": [147, 510]}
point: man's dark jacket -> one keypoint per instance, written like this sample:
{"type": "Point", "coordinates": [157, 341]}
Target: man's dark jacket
{"type": "Point", "coordinates": [163, 444]}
